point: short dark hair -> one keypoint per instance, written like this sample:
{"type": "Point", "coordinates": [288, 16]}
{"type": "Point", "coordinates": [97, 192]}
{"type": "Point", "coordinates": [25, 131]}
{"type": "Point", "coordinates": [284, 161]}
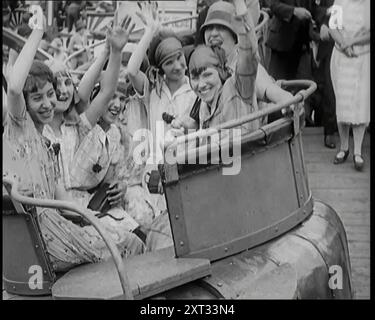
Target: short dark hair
{"type": "Point", "coordinates": [197, 71]}
{"type": "Point", "coordinates": [38, 70]}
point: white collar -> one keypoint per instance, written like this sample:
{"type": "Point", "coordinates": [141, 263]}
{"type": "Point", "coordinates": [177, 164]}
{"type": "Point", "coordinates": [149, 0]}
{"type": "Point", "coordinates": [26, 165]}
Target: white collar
{"type": "Point", "coordinates": [183, 89]}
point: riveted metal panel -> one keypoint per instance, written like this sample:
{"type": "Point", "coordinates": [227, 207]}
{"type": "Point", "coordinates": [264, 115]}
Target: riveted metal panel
{"type": "Point", "coordinates": [223, 215]}
{"type": "Point", "coordinates": [23, 248]}
{"type": "Point", "coordinates": [299, 170]}
{"type": "Point", "coordinates": [175, 210]}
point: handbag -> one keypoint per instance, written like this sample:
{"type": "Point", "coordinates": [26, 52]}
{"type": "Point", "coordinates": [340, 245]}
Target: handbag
{"type": "Point", "coordinates": [99, 201]}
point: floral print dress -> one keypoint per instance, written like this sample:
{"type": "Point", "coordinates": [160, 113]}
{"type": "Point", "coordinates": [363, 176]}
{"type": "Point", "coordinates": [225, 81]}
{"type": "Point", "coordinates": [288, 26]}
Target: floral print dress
{"type": "Point", "coordinates": [67, 244]}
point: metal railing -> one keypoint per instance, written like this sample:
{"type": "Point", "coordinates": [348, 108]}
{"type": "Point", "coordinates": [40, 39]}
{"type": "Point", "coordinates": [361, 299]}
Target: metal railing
{"type": "Point", "coordinates": [310, 87]}
{"type": "Point", "coordinates": [57, 204]}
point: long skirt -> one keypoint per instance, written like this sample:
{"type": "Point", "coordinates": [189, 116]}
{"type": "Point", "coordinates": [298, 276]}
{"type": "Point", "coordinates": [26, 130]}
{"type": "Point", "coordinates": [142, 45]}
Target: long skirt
{"type": "Point", "coordinates": [351, 83]}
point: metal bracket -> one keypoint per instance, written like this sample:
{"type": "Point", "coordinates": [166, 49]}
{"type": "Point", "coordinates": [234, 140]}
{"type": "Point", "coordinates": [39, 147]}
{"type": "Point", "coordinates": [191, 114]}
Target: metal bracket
{"type": "Point", "coordinates": [296, 113]}
{"type": "Point", "coordinates": [169, 173]}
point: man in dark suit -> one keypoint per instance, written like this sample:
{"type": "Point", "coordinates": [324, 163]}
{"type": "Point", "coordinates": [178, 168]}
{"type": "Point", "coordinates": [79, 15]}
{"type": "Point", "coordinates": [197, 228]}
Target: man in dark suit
{"type": "Point", "coordinates": [289, 35]}
{"type": "Point", "coordinates": [328, 102]}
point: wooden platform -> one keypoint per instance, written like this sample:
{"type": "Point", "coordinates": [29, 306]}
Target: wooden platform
{"type": "Point", "coordinates": [348, 192]}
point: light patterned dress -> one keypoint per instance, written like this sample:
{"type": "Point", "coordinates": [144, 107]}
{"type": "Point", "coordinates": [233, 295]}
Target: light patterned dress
{"type": "Point", "coordinates": [351, 76]}
{"type": "Point", "coordinates": [67, 244]}
{"type": "Point", "coordinates": [98, 148]}
{"type": "Point", "coordinates": [72, 134]}
{"type": "Point", "coordinates": [178, 104]}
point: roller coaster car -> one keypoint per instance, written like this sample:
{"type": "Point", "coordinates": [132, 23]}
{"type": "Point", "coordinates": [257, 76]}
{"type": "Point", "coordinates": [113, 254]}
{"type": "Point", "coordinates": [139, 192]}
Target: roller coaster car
{"type": "Point", "coordinates": [255, 235]}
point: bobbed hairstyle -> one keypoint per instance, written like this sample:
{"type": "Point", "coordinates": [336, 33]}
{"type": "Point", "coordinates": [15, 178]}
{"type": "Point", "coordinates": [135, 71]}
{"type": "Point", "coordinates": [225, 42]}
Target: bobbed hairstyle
{"type": "Point", "coordinates": [38, 71]}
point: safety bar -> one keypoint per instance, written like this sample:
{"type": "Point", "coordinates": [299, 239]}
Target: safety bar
{"type": "Point", "coordinates": [58, 204]}
{"type": "Point", "coordinates": [299, 97]}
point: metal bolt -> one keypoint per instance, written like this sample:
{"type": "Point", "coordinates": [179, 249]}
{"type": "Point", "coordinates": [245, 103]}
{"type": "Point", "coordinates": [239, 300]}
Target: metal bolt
{"type": "Point", "coordinates": [301, 196]}
{"type": "Point", "coordinates": [226, 249]}
{"type": "Point", "coordinates": [177, 217]}
{"type": "Point", "coordinates": [220, 284]}
{"type": "Point", "coordinates": [36, 246]}
{"type": "Point", "coordinates": [181, 243]}
{"type": "Point", "coordinates": [276, 229]}
{"type": "Point", "coordinates": [304, 211]}
{"type": "Point", "coordinates": [45, 271]}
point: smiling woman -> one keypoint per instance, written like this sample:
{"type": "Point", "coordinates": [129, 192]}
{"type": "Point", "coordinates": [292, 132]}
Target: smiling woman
{"type": "Point", "coordinates": [224, 96]}
{"type": "Point", "coordinates": [39, 94]}
{"type": "Point", "coordinates": [31, 105]}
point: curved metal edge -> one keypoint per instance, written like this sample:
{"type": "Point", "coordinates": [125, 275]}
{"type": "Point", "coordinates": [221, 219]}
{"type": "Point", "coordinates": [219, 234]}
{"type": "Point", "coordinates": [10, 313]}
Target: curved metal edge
{"type": "Point", "coordinates": [93, 220]}
{"type": "Point", "coordinates": [310, 86]}
{"type": "Point", "coordinates": [321, 233]}
{"type": "Point", "coordinates": [267, 137]}
{"type": "Point", "coordinates": [261, 236]}
{"type": "Point", "coordinates": [328, 214]}
{"type": "Point", "coordinates": [252, 275]}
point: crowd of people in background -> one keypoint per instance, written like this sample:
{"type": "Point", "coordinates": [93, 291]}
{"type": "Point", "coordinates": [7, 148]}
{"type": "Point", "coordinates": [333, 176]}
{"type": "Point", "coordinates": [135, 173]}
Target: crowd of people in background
{"type": "Point", "coordinates": [72, 125]}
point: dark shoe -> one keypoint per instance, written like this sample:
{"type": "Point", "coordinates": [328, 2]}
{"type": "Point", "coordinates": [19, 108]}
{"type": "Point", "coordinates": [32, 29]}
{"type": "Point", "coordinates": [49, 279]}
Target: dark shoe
{"type": "Point", "coordinates": [329, 141]}
{"type": "Point", "coordinates": [358, 162]}
{"type": "Point", "coordinates": [338, 159]}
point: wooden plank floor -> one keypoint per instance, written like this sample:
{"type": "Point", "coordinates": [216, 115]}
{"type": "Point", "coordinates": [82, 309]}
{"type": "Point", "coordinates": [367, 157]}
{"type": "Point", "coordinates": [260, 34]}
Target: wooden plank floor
{"type": "Point", "coordinates": [348, 192]}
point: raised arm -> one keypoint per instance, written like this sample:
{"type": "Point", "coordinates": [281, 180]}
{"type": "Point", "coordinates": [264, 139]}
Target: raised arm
{"type": "Point", "coordinates": [248, 56]}
{"type": "Point", "coordinates": [117, 38]}
{"type": "Point", "coordinates": [19, 71]}
{"type": "Point", "coordinates": [13, 54]}
{"type": "Point", "coordinates": [270, 90]}
{"type": "Point", "coordinates": [92, 74]}
{"type": "Point", "coordinates": [152, 25]}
